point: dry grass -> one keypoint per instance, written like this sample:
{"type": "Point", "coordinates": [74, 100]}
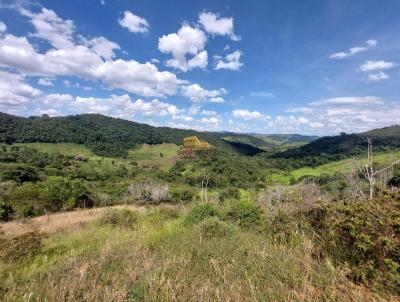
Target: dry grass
{"type": "Point", "coordinates": [160, 259]}
{"type": "Point", "coordinates": [56, 222]}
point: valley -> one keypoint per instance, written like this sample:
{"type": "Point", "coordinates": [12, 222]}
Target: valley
{"type": "Point", "coordinates": [134, 221]}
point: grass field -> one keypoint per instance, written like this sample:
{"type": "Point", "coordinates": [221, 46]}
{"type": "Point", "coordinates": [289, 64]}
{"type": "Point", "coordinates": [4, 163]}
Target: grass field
{"type": "Point", "coordinates": [162, 156]}
{"type": "Point", "coordinates": [62, 148]}
{"type": "Point", "coordinates": [153, 255]}
{"type": "Point", "coordinates": [380, 159]}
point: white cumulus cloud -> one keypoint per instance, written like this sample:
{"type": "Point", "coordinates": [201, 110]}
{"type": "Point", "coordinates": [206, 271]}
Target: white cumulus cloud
{"type": "Point", "coordinates": [3, 26]}
{"type": "Point", "coordinates": [196, 93]}
{"type": "Point", "coordinates": [377, 65]}
{"type": "Point", "coordinates": [134, 23]}
{"type": "Point", "coordinates": [215, 25]}
{"type": "Point", "coordinates": [231, 61]}
{"type": "Point", "coordinates": [187, 41]}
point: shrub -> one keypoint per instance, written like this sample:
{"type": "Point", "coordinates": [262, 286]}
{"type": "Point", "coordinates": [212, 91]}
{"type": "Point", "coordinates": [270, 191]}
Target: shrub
{"type": "Point", "coordinates": [119, 217]}
{"type": "Point", "coordinates": [199, 212]}
{"type": "Point", "coordinates": [183, 194]}
{"type": "Point", "coordinates": [365, 235]}
{"type": "Point", "coordinates": [24, 245]}
{"type": "Point", "coordinates": [395, 181]}
{"type": "Point", "coordinates": [149, 191]}
{"type": "Point", "coordinates": [214, 227]}
{"type": "Point", "coordinates": [20, 174]}
{"type": "Point", "coordinates": [5, 211]}
{"type": "Point", "coordinates": [61, 192]}
{"type": "Point", "coordinates": [230, 193]}
{"type": "Point", "coordinates": [244, 213]}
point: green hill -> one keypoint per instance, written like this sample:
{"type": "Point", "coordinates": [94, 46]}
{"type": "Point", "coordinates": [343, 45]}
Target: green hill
{"type": "Point", "coordinates": [101, 134]}
{"type": "Point", "coordinates": [342, 146]}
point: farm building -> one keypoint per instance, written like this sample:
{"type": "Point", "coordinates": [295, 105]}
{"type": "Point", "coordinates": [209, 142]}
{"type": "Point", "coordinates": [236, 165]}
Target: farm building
{"type": "Point", "coordinates": [192, 142]}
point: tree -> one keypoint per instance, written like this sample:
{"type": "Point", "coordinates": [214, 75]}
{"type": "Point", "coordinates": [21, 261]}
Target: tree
{"type": "Point", "coordinates": [204, 186]}
{"type": "Point", "coordinates": [367, 170]}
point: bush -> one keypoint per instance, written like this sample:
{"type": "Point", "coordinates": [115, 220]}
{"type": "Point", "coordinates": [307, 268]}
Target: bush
{"type": "Point", "coordinates": [244, 213]}
{"type": "Point", "coordinates": [5, 211]}
{"type": "Point", "coordinates": [214, 227]}
{"type": "Point", "coordinates": [61, 192]}
{"type": "Point", "coordinates": [230, 193]}
{"type": "Point", "coordinates": [20, 174]}
{"type": "Point", "coordinates": [27, 244]}
{"type": "Point", "coordinates": [183, 194]}
{"type": "Point", "coordinates": [119, 217]}
{"type": "Point", "coordinates": [365, 236]}
{"type": "Point", "coordinates": [395, 181]}
{"type": "Point", "coordinates": [149, 191]}
{"type": "Point", "coordinates": [199, 212]}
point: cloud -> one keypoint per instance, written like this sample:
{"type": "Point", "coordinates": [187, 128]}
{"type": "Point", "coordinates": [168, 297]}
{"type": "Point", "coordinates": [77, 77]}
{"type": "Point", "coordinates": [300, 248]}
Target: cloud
{"type": "Point", "coordinates": [102, 2]}
{"type": "Point", "coordinates": [303, 109]}
{"type": "Point", "coordinates": [187, 41]}
{"type": "Point", "coordinates": [347, 100]}
{"type": "Point", "coordinates": [50, 27]}
{"type": "Point", "coordinates": [377, 65]}
{"type": "Point", "coordinates": [333, 115]}
{"type": "Point", "coordinates": [56, 100]}
{"type": "Point", "coordinates": [249, 115]}
{"type": "Point", "coordinates": [45, 82]}
{"type": "Point", "coordinates": [86, 63]}
{"type": "Point", "coordinates": [3, 27]}
{"type": "Point", "coordinates": [379, 76]}
{"type": "Point", "coordinates": [218, 26]}
{"type": "Point", "coordinates": [212, 122]}
{"type": "Point", "coordinates": [103, 47]}
{"type": "Point", "coordinates": [198, 94]}
{"type": "Point", "coordinates": [354, 50]}
{"type": "Point", "coordinates": [49, 112]}
{"type": "Point", "coordinates": [134, 23]}
{"type": "Point", "coordinates": [208, 112]}
{"type": "Point", "coordinates": [262, 94]}
{"type": "Point", "coordinates": [232, 61]}
{"type": "Point", "coordinates": [352, 114]}
{"type": "Point", "coordinates": [123, 106]}
{"type": "Point", "coordinates": [14, 92]}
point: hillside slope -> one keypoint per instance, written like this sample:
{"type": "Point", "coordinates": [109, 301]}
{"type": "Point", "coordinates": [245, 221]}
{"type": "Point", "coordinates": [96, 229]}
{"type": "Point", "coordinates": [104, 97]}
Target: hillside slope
{"type": "Point", "coordinates": [103, 135]}
{"type": "Point", "coordinates": [344, 145]}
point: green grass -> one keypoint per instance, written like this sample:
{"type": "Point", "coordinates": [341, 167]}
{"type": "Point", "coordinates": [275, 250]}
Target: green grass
{"type": "Point", "coordinates": [162, 156]}
{"type": "Point", "coordinates": [145, 155]}
{"type": "Point", "coordinates": [155, 256]}
{"type": "Point", "coordinates": [381, 158]}
{"type": "Point", "coordinates": [62, 148]}
{"type": "Point", "coordinates": [165, 261]}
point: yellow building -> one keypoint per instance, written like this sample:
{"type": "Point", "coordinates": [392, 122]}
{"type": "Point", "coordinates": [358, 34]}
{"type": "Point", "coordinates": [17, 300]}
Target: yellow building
{"type": "Point", "coordinates": [192, 142]}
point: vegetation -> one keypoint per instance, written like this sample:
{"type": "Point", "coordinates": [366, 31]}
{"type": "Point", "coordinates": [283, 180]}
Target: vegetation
{"type": "Point", "coordinates": [103, 135]}
{"type": "Point", "coordinates": [222, 225]}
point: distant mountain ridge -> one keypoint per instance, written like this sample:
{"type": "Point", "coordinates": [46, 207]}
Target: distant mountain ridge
{"type": "Point", "coordinates": [103, 135]}
{"type": "Point", "coordinates": [269, 142]}
{"type": "Point", "coordinates": [345, 145]}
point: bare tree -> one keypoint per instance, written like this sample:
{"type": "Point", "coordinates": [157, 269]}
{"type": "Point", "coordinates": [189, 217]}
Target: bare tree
{"type": "Point", "coordinates": [354, 182]}
{"type": "Point", "coordinates": [367, 170]}
{"type": "Point", "coordinates": [204, 186]}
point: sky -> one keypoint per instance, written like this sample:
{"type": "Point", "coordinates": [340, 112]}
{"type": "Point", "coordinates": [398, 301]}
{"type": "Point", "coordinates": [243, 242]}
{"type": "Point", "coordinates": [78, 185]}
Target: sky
{"type": "Point", "coordinates": [257, 66]}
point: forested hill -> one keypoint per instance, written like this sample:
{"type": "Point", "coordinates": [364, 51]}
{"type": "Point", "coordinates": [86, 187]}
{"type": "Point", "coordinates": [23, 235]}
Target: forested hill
{"type": "Point", "coordinates": [103, 135]}
{"type": "Point", "coordinates": [341, 146]}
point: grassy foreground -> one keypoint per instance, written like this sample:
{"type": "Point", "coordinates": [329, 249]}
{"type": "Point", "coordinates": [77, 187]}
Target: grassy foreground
{"type": "Point", "coordinates": [204, 252]}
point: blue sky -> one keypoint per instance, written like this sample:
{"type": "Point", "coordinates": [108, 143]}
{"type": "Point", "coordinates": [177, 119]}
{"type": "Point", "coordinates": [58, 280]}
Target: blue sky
{"type": "Point", "coordinates": [312, 67]}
